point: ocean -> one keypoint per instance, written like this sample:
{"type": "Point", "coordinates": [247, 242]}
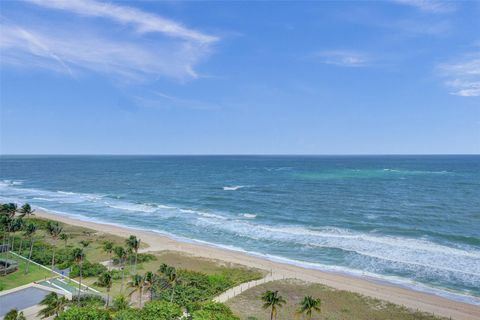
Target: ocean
{"type": "Point", "coordinates": [409, 220]}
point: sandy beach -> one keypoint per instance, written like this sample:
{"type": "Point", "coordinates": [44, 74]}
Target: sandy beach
{"type": "Point", "coordinates": [398, 295]}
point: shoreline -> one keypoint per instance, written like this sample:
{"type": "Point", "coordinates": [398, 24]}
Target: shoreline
{"type": "Point", "coordinates": [377, 289]}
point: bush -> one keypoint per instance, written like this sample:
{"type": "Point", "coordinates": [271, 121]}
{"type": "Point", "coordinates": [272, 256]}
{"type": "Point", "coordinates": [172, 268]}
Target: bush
{"type": "Point", "coordinates": [145, 257]}
{"type": "Point", "coordinates": [84, 313]}
{"type": "Point", "coordinates": [160, 310]}
{"type": "Point", "coordinates": [90, 300]}
{"type": "Point", "coordinates": [89, 269]}
{"type": "Point", "coordinates": [214, 311]}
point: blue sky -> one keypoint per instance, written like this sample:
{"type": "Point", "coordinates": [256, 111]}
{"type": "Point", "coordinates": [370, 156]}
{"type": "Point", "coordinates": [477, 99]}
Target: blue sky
{"type": "Point", "coordinates": [239, 77]}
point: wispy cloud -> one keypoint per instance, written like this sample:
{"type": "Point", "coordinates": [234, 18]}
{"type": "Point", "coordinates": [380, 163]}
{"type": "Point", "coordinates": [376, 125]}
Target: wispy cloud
{"type": "Point", "coordinates": [429, 6]}
{"type": "Point", "coordinates": [343, 58]}
{"type": "Point", "coordinates": [157, 99]}
{"type": "Point", "coordinates": [463, 75]}
{"type": "Point", "coordinates": [143, 21]}
{"type": "Point", "coordinates": [173, 52]}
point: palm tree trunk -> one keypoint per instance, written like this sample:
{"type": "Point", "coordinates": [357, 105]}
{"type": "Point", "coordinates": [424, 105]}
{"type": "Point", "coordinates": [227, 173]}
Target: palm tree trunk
{"type": "Point", "coordinates": [173, 293]}
{"type": "Point", "coordinates": [135, 267]}
{"type": "Point", "coordinates": [140, 305]}
{"type": "Point", "coordinates": [271, 314]}
{"type": "Point", "coordinates": [53, 259]}
{"type": "Point", "coordinates": [80, 282]}
{"type": "Point", "coordinates": [13, 242]}
{"type": "Point", "coordinates": [21, 246]}
{"type": "Point", "coordinates": [29, 255]}
{"type": "Point", "coordinates": [108, 296]}
{"type": "Point", "coordinates": [123, 277]}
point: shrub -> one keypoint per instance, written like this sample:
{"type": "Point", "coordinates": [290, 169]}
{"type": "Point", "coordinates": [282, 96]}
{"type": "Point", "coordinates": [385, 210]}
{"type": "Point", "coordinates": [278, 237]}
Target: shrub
{"type": "Point", "coordinates": [84, 313]}
{"type": "Point", "coordinates": [214, 311]}
{"type": "Point", "coordinates": [160, 310]}
{"type": "Point", "coordinates": [89, 269]}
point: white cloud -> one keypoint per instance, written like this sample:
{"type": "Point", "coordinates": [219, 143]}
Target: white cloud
{"type": "Point", "coordinates": [173, 51]}
{"type": "Point", "coordinates": [143, 21]}
{"type": "Point", "coordinates": [430, 6]}
{"type": "Point", "coordinates": [463, 76]}
{"type": "Point", "coordinates": [128, 59]}
{"type": "Point", "coordinates": [343, 58]}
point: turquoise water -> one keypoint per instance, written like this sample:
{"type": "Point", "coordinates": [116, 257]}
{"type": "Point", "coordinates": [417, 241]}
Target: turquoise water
{"type": "Point", "coordinates": [410, 220]}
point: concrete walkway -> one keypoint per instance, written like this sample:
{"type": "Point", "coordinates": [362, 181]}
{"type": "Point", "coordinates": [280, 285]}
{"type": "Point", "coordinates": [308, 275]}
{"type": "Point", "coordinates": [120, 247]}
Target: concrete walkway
{"type": "Point", "coordinates": [235, 291]}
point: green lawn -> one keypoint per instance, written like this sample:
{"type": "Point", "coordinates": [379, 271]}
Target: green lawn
{"type": "Point", "coordinates": [19, 277]}
{"type": "Point", "coordinates": [336, 304]}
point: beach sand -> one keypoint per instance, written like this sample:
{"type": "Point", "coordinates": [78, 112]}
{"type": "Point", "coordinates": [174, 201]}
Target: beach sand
{"type": "Point", "coordinates": [395, 294]}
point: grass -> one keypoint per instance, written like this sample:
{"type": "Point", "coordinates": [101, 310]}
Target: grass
{"type": "Point", "coordinates": [336, 304]}
{"type": "Point", "coordinates": [19, 278]}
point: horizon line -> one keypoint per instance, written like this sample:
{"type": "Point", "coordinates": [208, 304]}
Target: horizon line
{"type": "Point", "coordinates": [240, 154]}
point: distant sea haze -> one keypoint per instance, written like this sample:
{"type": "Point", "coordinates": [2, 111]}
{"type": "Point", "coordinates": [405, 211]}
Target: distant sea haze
{"type": "Point", "coordinates": [410, 220]}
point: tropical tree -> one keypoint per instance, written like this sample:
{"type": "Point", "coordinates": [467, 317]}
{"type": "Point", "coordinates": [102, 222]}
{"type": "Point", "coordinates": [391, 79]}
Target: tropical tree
{"type": "Point", "coordinates": [8, 211]}
{"type": "Point", "coordinates": [108, 248]}
{"type": "Point", "coordinates": [309, 305]}
{"type": "Point", "coordinates": [121, 254]}
{"type": "Point", "coordinates": [171, 274]}
{"type": "Point", "coordinates": [30, 231]}
{"type": "Point", "coordinates": [26, 211]}
{"type": "Point", "coordinates": [133, 244]}
{"type": "Point", "coordinates": [272, 300]}
{"type": "Point", "coordinates": [151, 280]}
{"type": "Point", "coordinates": [54, 229]}
{"type": "Point", "coordinates": [64, 237]}
{"type": "Point", "coordinates": [77, 256]}
{"type": "Point", "coordinates": [15, 226]}
{"type": "Point", "coordinates": [54, 305]}
{"type": "Point", "coordinates": [106, 280]}
{"type": "Point", "coordinates": [137, 284]}
{"type": "Point", "coordinates": [14, 315]}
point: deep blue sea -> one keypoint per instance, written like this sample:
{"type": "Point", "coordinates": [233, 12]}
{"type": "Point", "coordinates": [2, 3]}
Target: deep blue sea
{"type": "Point", "coordinates": [410, 220]}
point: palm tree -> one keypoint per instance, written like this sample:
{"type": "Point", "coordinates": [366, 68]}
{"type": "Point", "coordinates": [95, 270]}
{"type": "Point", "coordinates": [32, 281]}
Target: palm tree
{"type": "Point", "coordinates": [150, 280]}
{"type": "Point", "coordinates": [105, 280]}
{"type": "Point", "coordinates": [134, 244]}
{"type": "Point", "coordinates": [120, 303]}
{"type": "Point", "coordinates": [121, 254]}
{"type": "Point", "coordinates": [272, 300]}
{"type": "Point", "coordinates": [108, 248]}
{"type": "Point", "coordinates": [77, 257]}
{"type": "Point", "coordinates": [172, 279]}
{"type": "Point", "coordinates": [8, 215]}
{"type": "Point", "coordinates": [309, 305]}
{"type": "Point", "coordinates": [137, 284]}
{"type": "Point", "coordinates": [64, 237]}
{"type": "Point", "coordinates": [16, 225]}
{"type": "Point", "coordinates": [54, 229]}
{"type": "Point", "coordinates": [30, 230]}
{"type": "Point", "coordinates": [26, 211]}
{"type": "Point", "coordinates": [14, 315]}
{"type": "Point", "coordinates": [54, 305]}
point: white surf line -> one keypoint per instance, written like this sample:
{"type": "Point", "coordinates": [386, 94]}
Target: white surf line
{"type": "Point", "coordinates": [235, 291]}
{"type": "Point", "coordinates": [47, 268]}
